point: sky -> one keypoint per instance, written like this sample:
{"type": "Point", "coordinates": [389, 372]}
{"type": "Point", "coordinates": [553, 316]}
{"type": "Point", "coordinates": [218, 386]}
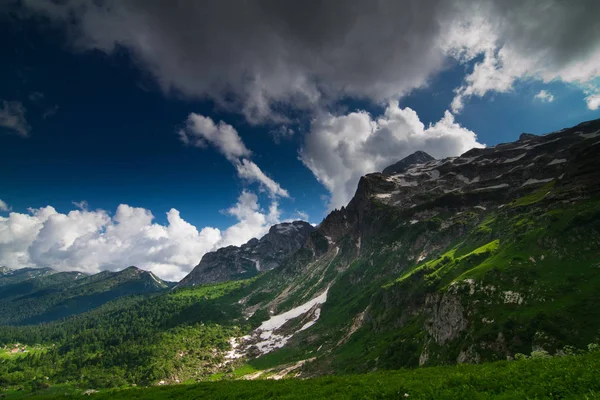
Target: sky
{"type": "Point", "coordinates": [149, 132]}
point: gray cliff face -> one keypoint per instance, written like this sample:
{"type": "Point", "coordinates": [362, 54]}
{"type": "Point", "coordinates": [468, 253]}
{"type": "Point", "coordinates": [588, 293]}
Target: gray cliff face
{"type": "Point", "coordinates": [257, 255]}
{"type": "Point", "coordinates": [447, 316]}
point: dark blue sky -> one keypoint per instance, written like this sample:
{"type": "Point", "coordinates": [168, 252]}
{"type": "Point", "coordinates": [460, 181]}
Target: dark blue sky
{"type": "Point", "coordinates": [113, 139]}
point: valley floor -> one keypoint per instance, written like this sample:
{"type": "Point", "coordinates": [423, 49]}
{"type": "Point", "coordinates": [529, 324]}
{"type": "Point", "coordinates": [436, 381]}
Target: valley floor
{"type": "Point", "coordinates": [567, 377]}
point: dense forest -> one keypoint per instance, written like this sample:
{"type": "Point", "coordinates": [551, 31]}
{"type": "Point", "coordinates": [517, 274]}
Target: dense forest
{"type": "Point", "coordinates": [133, 340]}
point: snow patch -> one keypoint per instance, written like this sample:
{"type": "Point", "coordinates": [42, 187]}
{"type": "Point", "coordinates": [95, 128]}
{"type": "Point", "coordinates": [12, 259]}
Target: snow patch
{"type": "Point", "coordinates": [517, 158]}
{"type": "Point", "coordinates": [270, 341]}
{"type": "Point", "coordinates": [536, 181]}
{"type": "Point", "coordinates": [162, 284]}
{"type": "Point", "coordinates": [312, 321]}
{"type": "Point", "coordinates": [466, 160]}
{"type": "Point", "coordinates": [589, 135]}
{"type": "Point", "coordinates": [557, 161]}
{"type": "Point", "coordinates": [434, 174]}
{"type": "Point", "coordinates": [541, 144]}
{"type": "Point", "coordinates": [446, 191]}
{"type": "Point", "coordinates": [285, 229]}
{"type": "Point", "coordinates": [233, 353]}
{"type": "Point", "coordinates": [501, 186]}
{"type": "Point", "coordinates": [400, 181]}
{"type": "Point", "coordinates": [414, 221]}
{"type": "Point", "coordinates": [466, 180]}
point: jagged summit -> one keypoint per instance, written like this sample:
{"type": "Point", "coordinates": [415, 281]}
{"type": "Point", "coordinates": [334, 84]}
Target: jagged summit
{"type": "Point", "coordinates": [418, 157]}
{"type": "Point", "coordinates": [256, 255]}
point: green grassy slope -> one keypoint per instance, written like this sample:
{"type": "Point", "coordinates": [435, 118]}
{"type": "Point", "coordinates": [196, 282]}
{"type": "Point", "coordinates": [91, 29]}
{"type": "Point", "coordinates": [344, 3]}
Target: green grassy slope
{"type": "Point", "coordinates": [569, 377]}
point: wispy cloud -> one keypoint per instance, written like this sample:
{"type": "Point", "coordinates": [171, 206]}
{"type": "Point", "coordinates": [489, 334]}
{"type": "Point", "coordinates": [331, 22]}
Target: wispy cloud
{"type": "Point", "coordinates": [12, 117]}
{"type": "Point", "coordinates": [201, 131]}
{"type": "Point", "coordinates": [544, 96]}
{"type": "Point", "coordinates": [4, 206]}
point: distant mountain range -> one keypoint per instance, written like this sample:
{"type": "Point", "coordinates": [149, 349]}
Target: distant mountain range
{"type": "Point", "coordinates": [31, 295]}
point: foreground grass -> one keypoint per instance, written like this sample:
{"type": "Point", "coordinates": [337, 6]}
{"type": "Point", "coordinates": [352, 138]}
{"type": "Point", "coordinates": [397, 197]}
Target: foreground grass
{"type": "Point", "coordinates": [571, 377]}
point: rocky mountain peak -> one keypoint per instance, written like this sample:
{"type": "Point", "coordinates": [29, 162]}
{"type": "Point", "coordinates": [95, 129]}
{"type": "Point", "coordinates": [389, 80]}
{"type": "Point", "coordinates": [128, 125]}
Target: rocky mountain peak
{"type": "Point", "coordinates": [526, 136]}
{"type": "Point", "coordinates": [253, 257]}
{"type": "Point", "coordinates": [418, 157]}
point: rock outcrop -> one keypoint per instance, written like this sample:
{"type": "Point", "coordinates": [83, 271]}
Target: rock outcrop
{"type": "Point", "coordinates": [257, 255]}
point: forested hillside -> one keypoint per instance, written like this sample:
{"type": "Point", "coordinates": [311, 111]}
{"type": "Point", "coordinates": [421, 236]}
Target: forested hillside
{"type": "Point", "coordinates": [30, 296]}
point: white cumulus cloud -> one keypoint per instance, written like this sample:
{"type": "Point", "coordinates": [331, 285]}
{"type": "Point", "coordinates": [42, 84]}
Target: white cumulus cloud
{"type": "Point", "coordinates": [341, 149]}
{"type": "Point", "coordinates": [593, 101]}
{"type": "Point", "coordinates": [4, 206]}
{"type": "Point", "coordinates": [91, 241]}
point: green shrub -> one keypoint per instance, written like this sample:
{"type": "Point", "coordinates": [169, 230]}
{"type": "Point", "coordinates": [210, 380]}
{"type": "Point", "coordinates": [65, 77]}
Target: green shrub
{"type": "Point", "coordinates": [537, 354]}
{"type": "Point", "coordinates": [570, 350]}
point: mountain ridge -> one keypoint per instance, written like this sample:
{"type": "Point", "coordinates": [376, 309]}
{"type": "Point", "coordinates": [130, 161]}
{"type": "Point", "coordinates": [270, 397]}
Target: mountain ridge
{"type": "Point", "coordinates": [43, 295]}
{"type": "Point", "coordinates": [251, 258]}
{"type": "Point", "coordinates": [440, 208]}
